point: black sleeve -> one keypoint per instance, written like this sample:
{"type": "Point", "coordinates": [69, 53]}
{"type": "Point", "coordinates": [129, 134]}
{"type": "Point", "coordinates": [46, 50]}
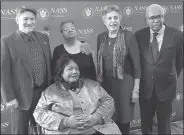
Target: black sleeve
{"type": "Point", "coordinates": [179, 55]}
{"type": "Point", "coordinates": [54, 61]}
{"type": "Point", "coordinates": [135, 56]}
{"type": "Point", "coordinates": [92, 69]}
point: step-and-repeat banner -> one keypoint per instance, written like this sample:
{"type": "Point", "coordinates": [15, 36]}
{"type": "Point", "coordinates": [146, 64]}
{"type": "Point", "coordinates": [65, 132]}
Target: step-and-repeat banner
{"type": "Point", "coordinates": [87, 17]}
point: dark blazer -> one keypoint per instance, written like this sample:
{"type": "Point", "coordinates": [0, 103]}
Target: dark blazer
{"type": "Point", "coordinates": [163, 73]}
{"type": "Point", "coordinates": [16, 71]}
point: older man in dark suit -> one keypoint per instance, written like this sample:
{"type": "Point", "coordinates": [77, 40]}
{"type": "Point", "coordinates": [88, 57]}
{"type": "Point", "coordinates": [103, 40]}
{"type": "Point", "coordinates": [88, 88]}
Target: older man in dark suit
{"type": "Point", "coordinates": [25, 69]}
{"type": "Point", "coordinates": [161, 61]}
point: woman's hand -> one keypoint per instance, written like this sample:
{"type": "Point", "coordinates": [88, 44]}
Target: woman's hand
{"type": "Point", "coordinates": [82, 121]}
{"type": "Point", "coordinates": [89, 121]}
{"type": "Point", "coordinates": [86, 48]}
{"type": "Point", "coordinates": [99, 79]}
{"type": "Point", "coordinates": [135, 92]}
{"type": "Point", "coordinates": [74, 121]}
{"type": "Point", "coordinates": [135, 95]}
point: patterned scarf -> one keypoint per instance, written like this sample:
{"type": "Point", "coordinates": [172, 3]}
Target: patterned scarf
{"type": "Point", "coordinates": [119, 53]}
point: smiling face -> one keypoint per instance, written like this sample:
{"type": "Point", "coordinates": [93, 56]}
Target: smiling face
{"type": "Point", "coordinates": [112, 20]}
{"type": "Point", "coordinates": [69, 31]}
{"type": "Point", "coordinates": [155, 18]}
{"type": "Point", "coordinates": [26, 22]}
{"type": "Point", "coordinates": [71, 72]}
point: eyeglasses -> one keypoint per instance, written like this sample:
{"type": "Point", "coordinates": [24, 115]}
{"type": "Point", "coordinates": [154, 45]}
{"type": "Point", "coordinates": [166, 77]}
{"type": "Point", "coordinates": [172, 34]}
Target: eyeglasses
{"type": "Point", "coordinates": [152, 18]}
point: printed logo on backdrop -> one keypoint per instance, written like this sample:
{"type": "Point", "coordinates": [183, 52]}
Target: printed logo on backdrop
{"type": "Point", "coordinates": [135, 123]}
{"type": "Point", "coordinates": [89, 12]}
{"type": "Point", "coordinates": [85, 33]}
{"type": "Point", "coordinates": [4, 125]}
{"type": "Point", "coordinates": [173, 9]}
{"type": "Point", "coordinates": [181, 27]}
{"type": "Point", "coordinates": [178, 97]}
{"type": "Point", "coordinates": [8, 13]}
{"type": "Point", "coordinates": [166, 9]}
{"type": "Point", "coordinates": [44, 13]}
{"type": "Point", "coordinates": [128, 11]}
{"type": "Point", "coordinates": [176, 8]}
{"type": "Point", "coordinates": [3, 107]}
{"type": "Point", "coordinates": [129, 28]}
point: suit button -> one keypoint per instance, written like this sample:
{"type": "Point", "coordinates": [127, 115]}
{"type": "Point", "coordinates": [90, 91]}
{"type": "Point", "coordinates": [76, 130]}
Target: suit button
{"type": "Point", "coordinates": [152, 77]}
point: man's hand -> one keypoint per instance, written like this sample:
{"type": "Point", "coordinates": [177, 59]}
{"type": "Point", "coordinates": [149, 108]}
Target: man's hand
{"type": "Point", "coordinates": [12, 104]}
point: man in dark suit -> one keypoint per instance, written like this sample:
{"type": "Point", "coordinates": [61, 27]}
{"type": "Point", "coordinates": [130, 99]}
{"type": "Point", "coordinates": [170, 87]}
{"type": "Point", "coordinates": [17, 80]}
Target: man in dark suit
{"type": "Point", "coordinates": [161, 62]}
{"type": "Point", "coordinates": [25, 69]}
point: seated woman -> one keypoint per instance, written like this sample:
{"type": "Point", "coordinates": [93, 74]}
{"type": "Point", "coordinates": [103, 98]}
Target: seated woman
{"type": "Point", "coordinates": [74, 105]}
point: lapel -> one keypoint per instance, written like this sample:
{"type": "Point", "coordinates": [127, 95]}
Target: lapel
{"type": "Point", "coordinates": [145, 46]}
{"type": "Point", "coordinates": [23, 51]}
{"type": "Point", "coordinates": [164, 43]}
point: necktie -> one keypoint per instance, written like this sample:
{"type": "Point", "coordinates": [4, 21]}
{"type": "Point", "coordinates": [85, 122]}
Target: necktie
{"type": "Point", "coordinates": [36, 63]}
{"type": "Point", "coordinates": [154, 46]}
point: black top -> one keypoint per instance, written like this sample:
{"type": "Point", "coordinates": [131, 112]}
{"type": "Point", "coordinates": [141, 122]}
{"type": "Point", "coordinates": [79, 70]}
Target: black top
{"type": "Point", "coordinates": [85, 62]}
{"type": "Point", "coordinates": [108, 57]}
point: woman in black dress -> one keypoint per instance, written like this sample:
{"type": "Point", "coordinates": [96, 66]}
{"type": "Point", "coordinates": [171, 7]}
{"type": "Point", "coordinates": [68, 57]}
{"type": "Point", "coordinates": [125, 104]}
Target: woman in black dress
{"type": "Point", "coordinates": [118, 68]}
{"type": "Point", "coordinates": [79, 50]}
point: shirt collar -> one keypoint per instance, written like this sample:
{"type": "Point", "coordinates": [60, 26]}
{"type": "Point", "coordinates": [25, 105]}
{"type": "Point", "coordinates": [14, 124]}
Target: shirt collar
{"type": "Point", "coordinates": [26, 37]}
{"type": "Point", "coordinates": [161, 31]}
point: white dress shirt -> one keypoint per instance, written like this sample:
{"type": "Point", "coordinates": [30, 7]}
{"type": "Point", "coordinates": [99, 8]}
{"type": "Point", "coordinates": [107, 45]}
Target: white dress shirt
{"type": "Point", "coordinates": [159, 36]}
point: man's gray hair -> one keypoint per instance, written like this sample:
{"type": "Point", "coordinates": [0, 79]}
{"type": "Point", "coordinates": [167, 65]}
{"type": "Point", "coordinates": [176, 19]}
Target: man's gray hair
{"type": "Point", "coordinates": [155, 6]}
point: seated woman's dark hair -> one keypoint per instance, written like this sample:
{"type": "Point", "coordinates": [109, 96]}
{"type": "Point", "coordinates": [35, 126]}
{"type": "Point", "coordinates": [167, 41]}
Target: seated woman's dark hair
{"type": "Point", "coordinates": [61, 63]}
